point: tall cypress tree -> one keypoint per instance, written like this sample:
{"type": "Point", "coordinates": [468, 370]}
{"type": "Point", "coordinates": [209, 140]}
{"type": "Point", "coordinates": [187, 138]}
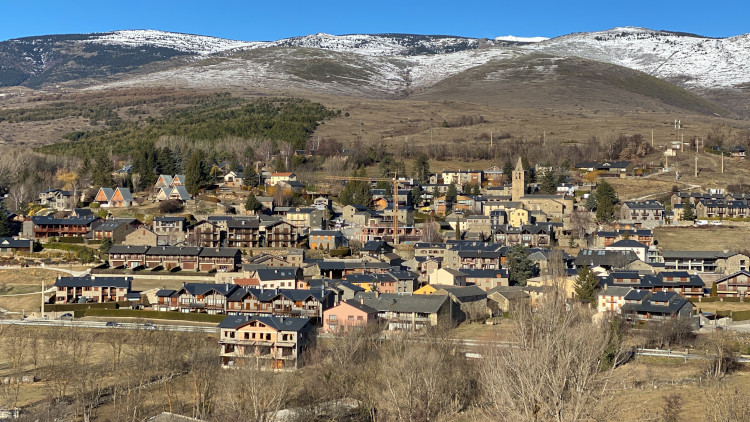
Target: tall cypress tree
{"type": "Point", "coordinates": [586, 284]}
{"type": "Point", "coordinates": [195, 173]}
{"type": "Point", "coordinates": [5, 229]}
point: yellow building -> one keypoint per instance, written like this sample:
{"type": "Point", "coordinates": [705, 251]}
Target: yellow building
{"type": "Point", "coordinates": [518, 217]}
{"type": "Point", "coordinates": [425, 290]}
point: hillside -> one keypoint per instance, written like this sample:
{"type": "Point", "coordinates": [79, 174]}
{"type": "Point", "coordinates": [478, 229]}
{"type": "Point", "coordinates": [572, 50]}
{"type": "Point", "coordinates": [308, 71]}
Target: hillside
{"type": "Point", "coordinates": [544, 81]}
{"type": "Point", "coordinates": [386, 65]}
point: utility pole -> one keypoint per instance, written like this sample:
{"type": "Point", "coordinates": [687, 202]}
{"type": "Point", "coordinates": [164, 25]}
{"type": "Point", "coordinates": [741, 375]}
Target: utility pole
{"type": "Point", "coordinates": [490, 139]}
{"type": "Point", "coordinates": [722, 162]}
{"type": "Point", "coordinates": [652, 138]}
{"type": "Point", "coordinates": [696, 166]}
{"type": "Point", "coordinates": [430, 138]}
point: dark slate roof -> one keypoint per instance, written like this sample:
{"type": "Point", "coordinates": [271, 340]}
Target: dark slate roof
{"type": "Point", "coordinates": [243, 223]}
{"type": "Point", "coordinates": [87, 281]}
{"type": "Point", "coordinates": [196, 289]}
{"type": "Point", "coordinates": [113, 224]}
{"type": "Point", "coordinates": [128, 249]}
{"type": "Point", "coordinates": [343, 265]}
{"type": "Point", "coordinates": [480, 273]}
{"type": "Point", "coordinates": [166, 293]}
{"type": "Point", "coordinates": [636, 295]}
{"type": "Point", "coordinates": [633, 233]}
{"type": "Point", "coordinates": [404, 303]}
{"type": "Point", "coordinates": [645, 205]}
{"type": "Point", "coordinates": [675, 302]}
{"type": "Point", "coordinates": [41, 220]}
{"type": "Point", "coordinates": [628, 243]}
{"type": "Point", "coordinates": [360, 306]}
{"type": "Point", "coordinates": [373, 246]}
{"type": "Point", "coordinates": [615, 291]}
{"type": "Point", "coordinates": [276, 273]}
{"type": "Point", "coordinates": [480, 254]}
{"type": "Point", "coordinates": [605, 258]}
{"type": "Point", "coordinates": [461, 292]}
{"type": "Point", "coordinates": [168, 218]}
{"type": "Point", "coordinates": [219, 252]}
{"type": "Point", "coordinates": [277, 323]}
{"type": "Point", "coordinates": [9, 242]}
{"type": "Point", "coordinates": [174, 250]}
{"type": "Point", "coordinates": [649, 281]}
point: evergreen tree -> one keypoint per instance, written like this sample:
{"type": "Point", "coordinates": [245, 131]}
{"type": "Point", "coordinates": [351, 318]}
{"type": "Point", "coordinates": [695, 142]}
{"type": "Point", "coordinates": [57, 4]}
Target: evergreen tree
{"type": "Point", "coordinates": [251, 176]}
{"type": "Point", "coordinates": [520, 267]}
{"type": "Point", "coordinates": [604, 189]}
{"type": "Point", "coordinates": [387, 166]}
{"type": "Point", "coordinates": [101, 171]}
{"type": "Point", "coordinates": [586, 284]}
{"type": "Point", "coordinates": [548, 183]}
{"type": "Point", "coordinates": [687, 211]}
{"type": "Point", "coordinates": [421, 168]}
{"type": "Point", "coordinates": [166, 162]}
{"type": "Point", "coordinates": [5, 229]}
{"type": "Point", "coordinates": [196, 174]}
{"type": "Point", "coordinates": [416, 195]}
{"type": "Point", "coordinates": [530, 174]}
{"type": "Point", "coordinates": [435, 193]}
{"type": "Point", "coordinates": [252, 203]}
{"type": "Point", "coordinates": [605, 210]}
{"type": "Point", "coordinates": [590, 202]}
{"type": "Point", "coordinates": [105, 245]}
{"type": "Point", "coordinates": [508, 170]}
{"type": "Point", "coordinates": [356, 192]}
{"type": "Point", "coordinates": [714, 290]}
{"type": "Point", "coordinates": [452, 193]}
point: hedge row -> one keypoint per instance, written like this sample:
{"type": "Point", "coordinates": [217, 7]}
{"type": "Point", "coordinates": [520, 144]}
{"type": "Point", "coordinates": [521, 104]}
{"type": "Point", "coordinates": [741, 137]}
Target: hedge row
{"type": "Point", "coordinates": [132, 313]}
{"type": "Point", "coordinates": [74, 239]}
{"type": "Point", "coordinates": [70, 307]}
{"type": "Point", "coordinates": [714, 299]}
{"type": "Point", "coordinates": [736, 315]}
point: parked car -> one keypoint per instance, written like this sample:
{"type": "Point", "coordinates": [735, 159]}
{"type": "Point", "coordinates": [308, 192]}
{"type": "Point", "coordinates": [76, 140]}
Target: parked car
{"type": "Point", "coordinates": [149, 326]}
{"type": "Point", "coordinates": [113, 324]}
{"type": "Point", "coordinates": [66, 316]}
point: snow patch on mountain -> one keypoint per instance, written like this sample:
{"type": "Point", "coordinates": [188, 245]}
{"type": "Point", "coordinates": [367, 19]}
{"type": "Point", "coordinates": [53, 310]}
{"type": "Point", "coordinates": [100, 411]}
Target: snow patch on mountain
{"type": "Point", "coordinates": [693, 61]}
{"type": "Point", "coordinates": [513, 38]}
{"type": "Point", "coordinates": [188, 43]}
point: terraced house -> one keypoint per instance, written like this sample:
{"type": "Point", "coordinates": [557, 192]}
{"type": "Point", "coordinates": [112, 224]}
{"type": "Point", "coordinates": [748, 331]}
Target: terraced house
{"type": "Point", "coordinates": [681, 282]}
{"type": "Point", "coordinates": [91, 289]}
{"type": "Point", "coordinates": [643, 214]}
{"type": "Point", "coordinates": [189, 258]}
{"type": "Point", "coordinates": [264, 342]}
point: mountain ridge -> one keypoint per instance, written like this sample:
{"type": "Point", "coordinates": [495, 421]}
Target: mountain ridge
{"type": "Point", "coordinates": [370, 65]}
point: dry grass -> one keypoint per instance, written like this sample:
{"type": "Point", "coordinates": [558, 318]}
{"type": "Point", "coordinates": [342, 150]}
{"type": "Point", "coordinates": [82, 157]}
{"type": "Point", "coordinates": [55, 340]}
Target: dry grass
{"type": "Point", "coordinates": [145, 284]}
{"type": "Point", "coordinates": [27, 303]}
{"type": "Point", "coordinates": [722, 306]}
{"type": "Point", "coordinates": [704, 238]}
{"type": "Point", "coordinates": [27, 276]}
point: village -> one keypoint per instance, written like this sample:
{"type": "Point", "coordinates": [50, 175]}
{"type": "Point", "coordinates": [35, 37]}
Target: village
{"type": "Point", "coordinates": [484, 243]}
{"type": "Point", "coordinates": [270, 280]}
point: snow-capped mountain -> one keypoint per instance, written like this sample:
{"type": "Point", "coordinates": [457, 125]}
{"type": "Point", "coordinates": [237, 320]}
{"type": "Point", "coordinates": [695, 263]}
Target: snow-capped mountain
{"type": "Point", "coordinates": [690, 60]}
{"type": "Point", "coordinates": [382, 65]}
{"type": "Point", "coordinates": [186, 43]}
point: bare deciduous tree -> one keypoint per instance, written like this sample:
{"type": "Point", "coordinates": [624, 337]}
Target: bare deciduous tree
{"type": "Point", "coordinates": [557, 371]}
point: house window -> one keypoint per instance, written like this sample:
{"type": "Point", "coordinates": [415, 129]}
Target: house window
{"type": "Point", "coordinates": [268, 336]}
{"type": "Point", "coordinates": [351, 318]}
{"type": "Point", "coordinates": [247, 336]}
{"type": "Point", "coordinates": [332, 317]}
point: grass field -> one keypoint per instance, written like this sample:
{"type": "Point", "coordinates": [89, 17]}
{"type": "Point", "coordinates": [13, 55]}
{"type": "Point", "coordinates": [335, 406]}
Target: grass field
{"type": "Point", "coordinates": [703, 238]}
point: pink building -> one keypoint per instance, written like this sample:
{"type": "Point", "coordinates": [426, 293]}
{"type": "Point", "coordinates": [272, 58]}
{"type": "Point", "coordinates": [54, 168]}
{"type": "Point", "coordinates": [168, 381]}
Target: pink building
{"type": "Point", "coordinates": [351, 313]}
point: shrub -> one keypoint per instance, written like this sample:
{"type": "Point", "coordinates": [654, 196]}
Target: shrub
{"type": "Point", "coordinates": [171, 206]}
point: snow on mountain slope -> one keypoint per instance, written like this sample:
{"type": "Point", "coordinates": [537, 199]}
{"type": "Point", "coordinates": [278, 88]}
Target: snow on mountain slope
{"type": "Point", "coordinates": [188, 43]}
{"type": "Point", "coordinates": [696, 62]}
{"type": "Point", "coordinates": [382, 44]}
{"type": "Point", "coordinates": [513, 38]}
{"type": "Point", "coordinates": [393, 62]}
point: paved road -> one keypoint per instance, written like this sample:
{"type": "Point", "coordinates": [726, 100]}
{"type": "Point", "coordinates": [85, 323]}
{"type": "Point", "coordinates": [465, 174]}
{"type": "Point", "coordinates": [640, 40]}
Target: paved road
{"type": "Point", "coordinates": [103, 324]}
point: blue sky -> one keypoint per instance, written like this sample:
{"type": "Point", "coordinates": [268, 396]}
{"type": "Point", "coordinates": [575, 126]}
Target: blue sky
{"type": "Point", "coordinates": [271, 20]}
